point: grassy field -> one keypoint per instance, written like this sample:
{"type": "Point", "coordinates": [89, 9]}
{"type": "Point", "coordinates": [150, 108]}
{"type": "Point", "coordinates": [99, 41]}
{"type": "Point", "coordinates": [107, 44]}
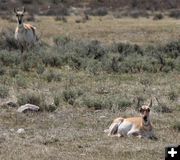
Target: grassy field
{"type": "Point", "coordinates": [79, 95]}
{"type": "Point", "coordinates": [108, 29]}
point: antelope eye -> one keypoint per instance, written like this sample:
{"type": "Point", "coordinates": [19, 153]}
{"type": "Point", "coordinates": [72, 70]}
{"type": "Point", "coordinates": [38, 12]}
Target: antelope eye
{"type": "Point", "coordinates": [148, 110]}
{"type": "Point", "coordinates": [16, 15]}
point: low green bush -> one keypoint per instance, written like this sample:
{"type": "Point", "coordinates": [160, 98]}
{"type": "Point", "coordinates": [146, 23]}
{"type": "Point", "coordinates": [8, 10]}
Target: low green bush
{"type": "Point", "coordinates": [7, 40]}
{"type": "Point", "coordinates": [35, 98]}
{"type": "Point", "coordinates": [101, 11]}
{"type": "Point", "coordinates": [21, 81]}
{"type": "Point", "coordinates": [4, 91]}
{"type": "Point", "coordinates": [9, 58]}
{"type": "Point", "coordinates": [106, 102]}
{"type": "Point", "coordinates": [176, 126]}
{"type": "Point", "coordinates": [2, 70]}
{"type": "Point", "coordinates": [95, 57]}
{"type": "Point", "coordinates": [51, 75]}
{"type": "Point", "coordinates": [30, 97]}
{"type": "Point", "coordinates": [70, 95]}
{"type": "Point", "coordinates": [158, 16]}
{"type": "Point", "coordinates": [175, 14]}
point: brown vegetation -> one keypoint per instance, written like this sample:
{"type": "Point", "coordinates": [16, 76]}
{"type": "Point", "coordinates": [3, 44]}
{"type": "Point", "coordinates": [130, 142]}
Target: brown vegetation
{"type": "Point", "coordinates": [82, 76]}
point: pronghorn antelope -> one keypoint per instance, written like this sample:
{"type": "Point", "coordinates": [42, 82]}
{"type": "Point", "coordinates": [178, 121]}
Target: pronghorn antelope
{"type": "Point", "coordinates": [133, 126]}
{"type": "Point", "coordinates": [25, 34]}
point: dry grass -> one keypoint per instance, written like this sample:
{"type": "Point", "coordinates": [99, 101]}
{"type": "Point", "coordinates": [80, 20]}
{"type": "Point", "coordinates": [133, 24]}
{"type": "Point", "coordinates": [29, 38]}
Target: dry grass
{"type": "Point", "coordinates": [108, 29]}
{"type": "Point", "coordinates": [75, 132]}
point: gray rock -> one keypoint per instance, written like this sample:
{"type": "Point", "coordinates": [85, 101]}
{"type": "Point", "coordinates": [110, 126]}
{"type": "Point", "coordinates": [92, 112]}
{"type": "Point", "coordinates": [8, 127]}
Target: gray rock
{"type": "Point", "coordinates": [102, 117]}
{"type": "Point", "coordinates": [12, 130]}
{"type": "Point", "coordinates": [28, 107]}
{"type": "Point", "coordinates": [11, 104]}
{"type": "Point", "coordinates": [20, 131]}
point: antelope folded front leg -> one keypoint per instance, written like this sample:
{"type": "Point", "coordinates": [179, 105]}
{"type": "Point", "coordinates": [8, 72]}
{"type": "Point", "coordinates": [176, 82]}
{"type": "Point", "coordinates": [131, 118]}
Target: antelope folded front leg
{"type": "Point", "coordinates": [134, 133]}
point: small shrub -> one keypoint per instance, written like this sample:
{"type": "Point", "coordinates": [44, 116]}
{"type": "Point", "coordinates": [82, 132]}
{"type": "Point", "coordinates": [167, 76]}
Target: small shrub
{"type": "Point", "coordinates": [74, 61]}
{"type": "Point", "coordinates": [125, 49]}
{"type": "Point", "coordinates": [36, 99]}
{"type": "Point", "coordinates": [56, 100]}
{"type": "Point", "coordinates": [49, 108]}
{"type": "Point", "coordinates": [30, 97]}
{"type": "Point", "coordinates": [94, 67]}
{"type": "Point", "coordinates": [106, 103]}
{"type": "Point", "coordinates": [69, 96]}
{"type": "Point", "coordinates": [27, 1]}
{"type": "Point", "coordinates": [61, 18]}
{"type": "Point", "coordinates": [2, 70]}
{"type": "Point", "coordinates": [8, 17]}
{"type": "Point", "coordinates": [52, 59]}
{"type": "Point", "coordinates": [176, 126]}
{"type": "Point", "coordinates": [138, 13]}
{"type": "Point", "coordinates": [13, 72]}
{"type": "Point", "coordinates": [96, 103]}
{"type": "Point", "coordinates": [102, 11]}
{"type": "Point", "coordinates": [162, 108]}
{"type": "Point", "coordinates": [4, 91]}
{"type": "Point", "coordinates": [4, 5]}
{"type": "Point", "coordinates": [123, 104]}
{"type": "Point", "coordinates": [30, 17]}
{"type": "Point", "coordinates": [9, 58]}
{"type": "Point", "coordinates": [58, 10]}
{"type": "Point", "coordinates": [61, 40]}
{"type": "Point", "coordinates": [175, 14]}
{"type": "Point", "coordinates": [158, 16]}
{"type": "Point", "coordinates": [146, 82]}
{"type": "Point", "coordinates": [131, 13]}
{"type": "Point", "coordinates": [172, 49]}
{"type": "Point", "coordinates": [40, 68]}
{"type": "Point", "coordinates": [52, 76]}
{"type": "Point", "coordinates": [92, 49]}
{"type": "Point", "coordinates": [117, 14]}
{"type": "Point", "coordinates": [177, 64]}
{"type": "Point", "coordinates": [7, 40]}
{"type": "Point", "coordinates": [30, 61]}
{"type": "Point", "coordinates": [20, 81]}
{"type": "Point", "coordinates": [26, 66]}
{"type": "Point", "coordinates": [172, 95]}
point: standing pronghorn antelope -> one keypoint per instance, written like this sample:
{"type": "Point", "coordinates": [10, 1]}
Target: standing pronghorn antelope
{"type": "Point", "coordinates": [25, 34]}
{"type": "Point", "coordinates": [133, 126]}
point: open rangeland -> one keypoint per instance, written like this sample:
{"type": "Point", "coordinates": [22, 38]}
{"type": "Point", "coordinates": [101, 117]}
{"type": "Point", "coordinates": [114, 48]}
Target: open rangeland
{"type": "Point", "coordinates": [108, 29]}
{"type": "Point", "coordinates": [79, 95]}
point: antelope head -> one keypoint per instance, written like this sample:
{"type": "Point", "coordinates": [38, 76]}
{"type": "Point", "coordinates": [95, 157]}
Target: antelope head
{"type": "Point", "coordinates": [19, 15]}
{"type": "Point", "coordinates": [145, 110]}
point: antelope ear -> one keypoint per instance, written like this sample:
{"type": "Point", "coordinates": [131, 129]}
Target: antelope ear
{"type": "Point", "coordinates": [140, 110]}
{"type": "Point", "coordinates": [24, 10]}
{"type": "Point", "coordinates": [150, 104]}
{"type": "Point", "coordinates": [15, 11]}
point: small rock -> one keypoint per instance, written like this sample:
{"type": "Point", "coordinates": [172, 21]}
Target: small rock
{"type": "Point", "coordinates": [12, 130]}
{"type": "Point", "coordinates": [11, 104]}
{"type": "Point", "coordinates": [102, 117]}
{"type": "Point", "coordinates": [28, 107]}
{"type": "Point", "coordinates": [20, 131]}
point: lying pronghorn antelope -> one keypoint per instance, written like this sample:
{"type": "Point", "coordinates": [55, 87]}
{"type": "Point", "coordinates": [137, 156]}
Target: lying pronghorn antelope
{"type": "Point", "coordinates": [133, 126]}
{"type": "Point", "coordinates": [25, 34]}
